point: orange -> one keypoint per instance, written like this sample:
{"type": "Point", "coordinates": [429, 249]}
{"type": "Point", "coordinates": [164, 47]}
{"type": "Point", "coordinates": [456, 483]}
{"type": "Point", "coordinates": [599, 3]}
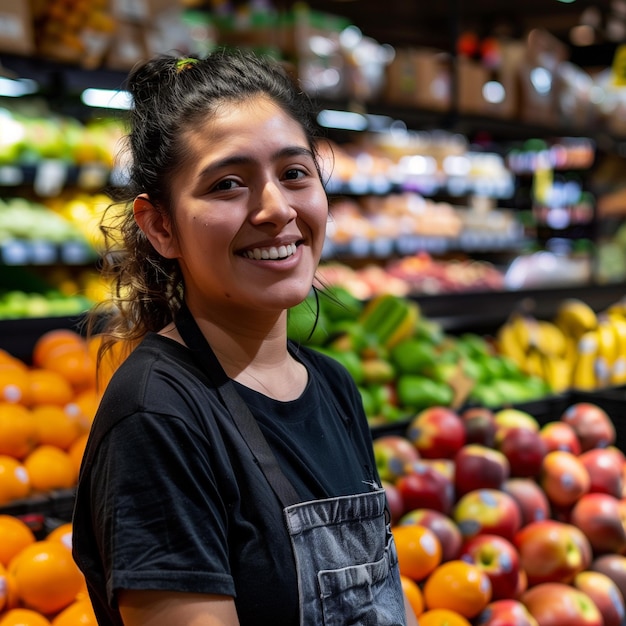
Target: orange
{"type": "Point", "coordinates": [50, 340]}
{"type": "Point", "coordinates": [63, 534]}
{"type": "Point", "coordinates": [440, 617]}
{"type": "Point", "coordinates": [48, 387]}
{"type": "Point", "coordinates": [419, 550]}
{"type": "Point", "coordinates": [14, 480]}
{"type": "Point", "coordinates": [74, 363]}
{"type": "Point", "coordinates": [46, 577]}
{"type": "Point", "coordinates": [50, 468]}
{"type": "Point", "coordinates": [56, 426]}
{"type": "Point", "coordinates": [110, 361]}
{"type": "Point", "coordinates": [14, 383]}
{"type": "Point", "coordinates": [413, 594]}
{"type": "Point", "coordinates": [76, 452]}
{"type": "Point", "coordinates": [85, 404]}
{"type": "Point", "coordinates": [23, 617]}
{"type": "Point", "coordinates": [15, 535]}
{"type": "Point", "coordinates": [18, 431]}
{"type": "Point", "coordinates": [6, 358]}
{"type": "Point", "coordinates": [458, 586]}
{"type": "Point", "coordinates": [79, 613]}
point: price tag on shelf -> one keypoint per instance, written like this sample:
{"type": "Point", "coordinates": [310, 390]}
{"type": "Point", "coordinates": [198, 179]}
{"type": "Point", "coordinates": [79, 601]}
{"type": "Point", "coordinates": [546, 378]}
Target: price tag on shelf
{"type": "Point", "coordinates": [11, 175]}
{"type": "Point", "coordinates": [92, 176]}
{"type": "Point", "coordinates": [43, 252]}
{"type": "Point", "coordinates": [50, 178]}
{"type": "Point", "coordinates": [76, 253]}
{"type": "Point", "coordinates": [15, 252]}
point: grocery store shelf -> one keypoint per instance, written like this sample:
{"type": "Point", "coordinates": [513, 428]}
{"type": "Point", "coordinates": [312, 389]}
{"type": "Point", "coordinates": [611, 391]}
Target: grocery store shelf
{"type": "Point", "coordinates": [22, 252]}
{"type": "Point", "coordinates": [18, 336]}
{"type": "Point", "coordinates": [485, 311]}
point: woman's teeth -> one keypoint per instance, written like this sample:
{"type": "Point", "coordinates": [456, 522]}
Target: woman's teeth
{"type": "Point", "coordinates": [273, 253]}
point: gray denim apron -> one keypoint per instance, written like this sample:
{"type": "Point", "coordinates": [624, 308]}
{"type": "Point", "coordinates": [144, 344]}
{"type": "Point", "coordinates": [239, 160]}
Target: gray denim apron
{"type": "Point", "coordinates": [345, 557]}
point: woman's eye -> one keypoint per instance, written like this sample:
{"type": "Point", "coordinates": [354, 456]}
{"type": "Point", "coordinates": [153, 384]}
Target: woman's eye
{"type": "Point", "coordinates": [294, 174]}
{"type": "Point", "coordinates": [226, 185]}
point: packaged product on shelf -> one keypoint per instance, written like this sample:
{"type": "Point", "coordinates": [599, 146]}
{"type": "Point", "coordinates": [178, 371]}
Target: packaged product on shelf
{"type": "Point", "coordinates": [16, 32]}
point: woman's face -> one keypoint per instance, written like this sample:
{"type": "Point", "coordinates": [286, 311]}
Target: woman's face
{"type": "Point", "coordinates": [250, 210]}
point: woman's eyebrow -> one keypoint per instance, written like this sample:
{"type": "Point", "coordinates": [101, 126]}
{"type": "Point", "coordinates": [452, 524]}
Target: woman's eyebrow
{"type": "Point", "coordinates": [242, 159]}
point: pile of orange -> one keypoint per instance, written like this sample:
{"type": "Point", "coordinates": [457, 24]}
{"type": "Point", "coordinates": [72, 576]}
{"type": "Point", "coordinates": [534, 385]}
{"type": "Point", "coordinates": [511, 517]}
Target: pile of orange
{"type": "Point", "coordinates": [41, 584]}
{"type": "Point", "coordinates": [441, 593]}
{"type": "Point", "coordinates": [46, 410]}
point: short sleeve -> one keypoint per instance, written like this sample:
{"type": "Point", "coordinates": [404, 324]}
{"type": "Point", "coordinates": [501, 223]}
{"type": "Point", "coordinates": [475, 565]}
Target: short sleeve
{"type": "Point", "coordinates": [163, 522]}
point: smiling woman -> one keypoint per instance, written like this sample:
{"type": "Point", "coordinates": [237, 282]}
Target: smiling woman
{"type": "Point", "coordinates": [229, 476]}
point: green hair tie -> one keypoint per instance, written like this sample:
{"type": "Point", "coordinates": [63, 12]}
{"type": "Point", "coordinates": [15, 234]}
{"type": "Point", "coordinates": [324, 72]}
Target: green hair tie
{"type": "Point", "coordinates": [184, 64]}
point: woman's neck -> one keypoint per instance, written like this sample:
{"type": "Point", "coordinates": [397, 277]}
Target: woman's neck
{"type": "Point", "coordinates": [254, 355]}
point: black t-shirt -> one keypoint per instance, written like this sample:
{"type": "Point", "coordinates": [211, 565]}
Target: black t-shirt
{"type": "Point", "coordinates": [171, 499]}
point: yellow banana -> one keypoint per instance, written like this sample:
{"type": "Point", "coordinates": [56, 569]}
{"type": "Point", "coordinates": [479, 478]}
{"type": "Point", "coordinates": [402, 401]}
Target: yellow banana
{"type": "Point", "coordinates": [535, 364]}
{"type": "Point", "coordinates": [558, 372]}
{"type": "Point", "coordinates": [522, 329]}
{"type": "Point", "coordinates": [607, 351]}
{"type": "Point", "coordinates": [618, 375]}
{"type": "Point", "coordinates": [550, 338]}
{"type": "Point", "coordinates": [617, 308]}
{"type": "Point", "coordinates": [508, 345]}
{"type": "Point", "coordinates": [575, 317]}
{"type": "Point", "coordinates": [583, 372]}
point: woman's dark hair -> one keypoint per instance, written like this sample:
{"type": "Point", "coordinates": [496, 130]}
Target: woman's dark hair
{"type": "Point", "coordinates": [170, 95]}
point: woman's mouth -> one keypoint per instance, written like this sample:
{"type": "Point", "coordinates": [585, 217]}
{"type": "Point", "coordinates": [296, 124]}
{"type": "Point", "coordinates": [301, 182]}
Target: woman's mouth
{"type": "Point", "coordinates": [273, 253]}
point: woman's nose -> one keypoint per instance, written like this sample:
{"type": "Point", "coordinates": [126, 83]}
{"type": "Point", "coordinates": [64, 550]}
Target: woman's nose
{"type": "Point", "coordinates": [273, 205]}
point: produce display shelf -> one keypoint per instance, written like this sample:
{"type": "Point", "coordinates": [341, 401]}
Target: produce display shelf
{"type": "Point", "coordinates": [57, 505]}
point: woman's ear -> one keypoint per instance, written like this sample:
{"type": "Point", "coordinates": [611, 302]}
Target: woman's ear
{"type": "Point", "coordinates": [156, 225]}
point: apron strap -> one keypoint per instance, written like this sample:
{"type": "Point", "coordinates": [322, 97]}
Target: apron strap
{"type": "Point", "coordinates": [239, 412]}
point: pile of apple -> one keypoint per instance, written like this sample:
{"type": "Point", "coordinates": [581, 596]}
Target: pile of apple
{"type": "Point", "coordinates": [540, 507]}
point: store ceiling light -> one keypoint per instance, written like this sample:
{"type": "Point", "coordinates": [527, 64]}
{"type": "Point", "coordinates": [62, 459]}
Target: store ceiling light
{"type": "Point", "coordinates": [15, 88]}
{"type": "Point", "coordinates": [106, 98]}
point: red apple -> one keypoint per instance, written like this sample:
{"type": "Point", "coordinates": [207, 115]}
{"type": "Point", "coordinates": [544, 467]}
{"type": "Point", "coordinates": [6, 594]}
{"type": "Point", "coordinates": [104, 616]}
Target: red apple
{"type": "Point", "coordinates": [505, 613]}
{"type": "Point", "coordinates": [592, 425]}
{"type": "Point", "coordinates": [530, 497]}
{"type": "Point", "coordinates": [437, 432]}
{"type": "Point", "coordinates": [499, 559]}
{"type": "Point", "coordinates": [559, 435]}
{"type": "Point", "coordinates": [480, 427]}
{"type": "Point", "coordinates": [479, 467]}
{"type": "Point", "coordinates": [487, 511]}
{"type": "Point", "coordinates": [599, 516]}
{"type": "Point", "coordinates": [606, 470]}
{"type": "Point", "coordinates": [558, 604]}
{"type": "Point", "coordinates": [425, 487]}
{"type": "Point", "coordinates": [443, 526]}
{"type": "Point", "coordinates": [564, 478]}
{"type": "Point", "coordinates": [552, 551]}
{"type": "Point", "coordinates": [613, 566]}
{"type": "Point", "coordinates": [395, 504]}
{"type": "Point", "coordinates": [392, 453]}
{"type": "Point", "coordinates": [443, 466]}
{"type": "Point", "coordinates": [525, 450]}
{"type": "Point", "coordinates": [513, 418]}
{"type": "Point", "coordinates": [605, 595]}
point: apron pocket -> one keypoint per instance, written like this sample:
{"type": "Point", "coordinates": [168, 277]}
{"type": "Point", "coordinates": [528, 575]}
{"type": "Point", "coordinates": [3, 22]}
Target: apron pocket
{"type": "Point", "coordinates": [364, 595]}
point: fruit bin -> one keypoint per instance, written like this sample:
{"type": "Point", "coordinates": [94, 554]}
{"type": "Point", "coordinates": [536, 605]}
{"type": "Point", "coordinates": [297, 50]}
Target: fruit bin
{"type": "Point", "coordinates": [544, 410]}
{"type": "Point", "coordinates": [57, 505]}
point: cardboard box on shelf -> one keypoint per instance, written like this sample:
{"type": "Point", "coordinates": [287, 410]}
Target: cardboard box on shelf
{"type": "Point", "coordinates": [16, 28]}
{"type": "Point", "coordinates": [127, 48]}
{"type": "Point", "coordinates": [419, 77]}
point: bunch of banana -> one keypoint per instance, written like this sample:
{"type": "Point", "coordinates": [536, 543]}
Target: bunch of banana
{"type": "Point", "coordinates": [600, 343]}
{"type": "Point", "coordinates": [539, 347]}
